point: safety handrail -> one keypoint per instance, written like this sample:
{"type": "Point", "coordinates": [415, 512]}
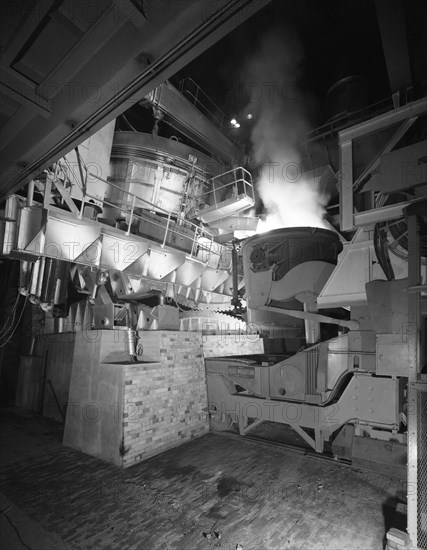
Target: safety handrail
{"type": "Point", "coordinates": [111, 184]}
{"type": "Point", "coordinates": [214, 111]}
{"type": "Point", "coordinates": [233, 184]}
{"type": "Point", "coordinates": [132, 202]}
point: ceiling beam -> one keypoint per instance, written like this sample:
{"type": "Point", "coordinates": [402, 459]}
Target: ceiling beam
{"type": "Point", "coordinates": [392, 25]}
{"type": "Point", "coordinates": [132, 62]}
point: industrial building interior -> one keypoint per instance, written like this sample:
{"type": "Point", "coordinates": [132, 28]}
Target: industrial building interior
{"type": "Point", "coordinates": [213, 251]}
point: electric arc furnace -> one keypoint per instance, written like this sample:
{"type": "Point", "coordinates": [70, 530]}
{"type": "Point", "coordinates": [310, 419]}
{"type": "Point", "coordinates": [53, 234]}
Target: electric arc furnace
{"type": "Point", "coordinates": [329, 383]}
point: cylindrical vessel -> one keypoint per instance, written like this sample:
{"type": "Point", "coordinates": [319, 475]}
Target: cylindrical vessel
{"type": "Point", "coordinates": [288, 247]}
{"type": "Point", "coordinates": [268, 257]}
{"type": "Point", "coordinates": [167, 176]}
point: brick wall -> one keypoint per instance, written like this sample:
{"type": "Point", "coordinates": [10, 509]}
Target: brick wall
{"type": "Point", "coordinates": [219, 345]}
{"type": "Point", "coordinates": [148, 407]}
{"type": "Point", "coordinates": [165, 403]}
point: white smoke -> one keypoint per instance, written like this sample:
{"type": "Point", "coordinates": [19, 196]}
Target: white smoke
{"type": "Point", "coordinates": [280, 124]}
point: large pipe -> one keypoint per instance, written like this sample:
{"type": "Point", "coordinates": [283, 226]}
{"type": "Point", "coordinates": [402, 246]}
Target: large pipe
{"type": "Point", "coordinates": [40, 277]}
{"type": "Point", "coordinates": [30, 193]}
{"type": "Point", "coordinates": [48, 290]}
{"type": "Point", "coordinates": [25, 272]}
{"type": "Point", "coordinates": [54, 288]}
{"type": "Point", "coordinates": [62, 274]}
{"type": "Point", "coordinates": [32, 291]}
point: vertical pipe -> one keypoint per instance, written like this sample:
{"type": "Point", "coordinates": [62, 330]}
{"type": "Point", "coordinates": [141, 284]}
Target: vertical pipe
{"type": "Point", "coordinates": [40, 277]}
{"type": "Point", "coordinates": [83, 182]}
{"type": "Point", "coordinates": [312, 329]}
{"type": "Point", "coordinates": [131, 343]}
{"type": "Point", "coordinates": [166, 230]}
{"type": "Point", "coordinates": [412, 336]}
{"type": "Point", "coordinates": [25, 273]}
{"type": "Point", "coordinates": [62, 274]}
{"type": "Point", "coordinates": [59, 322]}
{"type": "Point", "coordinates": [131, 215]}
{"type": "Point", "coordinates": [195, 240]}
{"type": "Point", "coordinates": [346, 186]}
{"type": "Point", "coordinates": [32, 291]}
{"type": "Point", "coordinates": [235, 300]}
{"type": "Point", "coordinates": [47, 189]}
{"type": "Point", "coordinates": [33, 345]}
{"type": "Point", "coordinates": [30, 193]}
{"type": "Point", "coordinates": [47, 296]}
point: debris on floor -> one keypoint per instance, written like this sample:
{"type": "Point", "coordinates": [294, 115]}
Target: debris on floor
{"type": "Point", "coordinates": [231, 490]}
{"type": "Point", "coordinates": [212, 534]}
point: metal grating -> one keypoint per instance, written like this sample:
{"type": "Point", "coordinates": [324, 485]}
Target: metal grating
{"type": "Point", "coordinates": [422, 470]}
{"type": "Point", "coordinates": [312, 359]}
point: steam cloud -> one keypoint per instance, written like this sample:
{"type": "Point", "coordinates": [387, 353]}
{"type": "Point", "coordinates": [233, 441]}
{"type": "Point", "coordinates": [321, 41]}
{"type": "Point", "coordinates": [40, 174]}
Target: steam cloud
{"type": "Point", "coordinates": [281, 123]}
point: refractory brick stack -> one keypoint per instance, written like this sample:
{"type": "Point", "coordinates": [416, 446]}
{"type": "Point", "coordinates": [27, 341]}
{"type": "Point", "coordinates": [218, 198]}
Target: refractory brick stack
{"type": "Point", "coordinates": [125, 412]}
{"type": "Point", "coordinates": [222, 345]}
{"type": "Point", "coordinates": [164, 403]}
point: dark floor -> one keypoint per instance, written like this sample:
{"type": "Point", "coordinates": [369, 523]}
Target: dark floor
{"type": "Point", "coordinates": [251, 494]}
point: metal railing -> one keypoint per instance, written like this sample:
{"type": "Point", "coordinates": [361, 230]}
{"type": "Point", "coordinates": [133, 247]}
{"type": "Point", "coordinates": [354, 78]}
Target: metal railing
{"type": "Point", "coordinates": [169, 230]}
{"type": "Point", "coordinates": [202, 101]}
{"type": "Point", "coordinates": [230, 185]}
{"type": "Point", "coordinates": [332, 127]}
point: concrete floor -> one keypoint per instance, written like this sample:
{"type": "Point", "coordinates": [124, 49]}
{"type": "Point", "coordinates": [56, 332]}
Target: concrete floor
{"type": "Point", "coordinates": [251, 494]}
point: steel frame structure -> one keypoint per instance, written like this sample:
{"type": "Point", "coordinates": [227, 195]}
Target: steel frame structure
{"type": "Point", "coordinates": [417, 385]}
{"type": "Point", "coordinates": [349, 218]}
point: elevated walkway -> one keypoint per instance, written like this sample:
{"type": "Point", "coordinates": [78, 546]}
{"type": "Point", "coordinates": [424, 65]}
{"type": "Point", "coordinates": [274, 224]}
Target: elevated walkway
{"type": "Point", "coordinates": [178, 111]}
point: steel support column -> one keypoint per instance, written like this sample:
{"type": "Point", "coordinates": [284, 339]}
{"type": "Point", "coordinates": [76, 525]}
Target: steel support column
{"type": "Point", "coordinates": [348, 218]}
{"type": "Point", "coordinates": [412, 333]}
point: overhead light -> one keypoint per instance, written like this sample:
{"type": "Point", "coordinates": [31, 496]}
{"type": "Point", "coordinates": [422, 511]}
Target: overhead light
{"type": "Point", "coordinates": [237, 125]}
{"type": "Point", "coordinates": [233, 121]}
{"type": "Point", "coordinates": [249, 116]}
